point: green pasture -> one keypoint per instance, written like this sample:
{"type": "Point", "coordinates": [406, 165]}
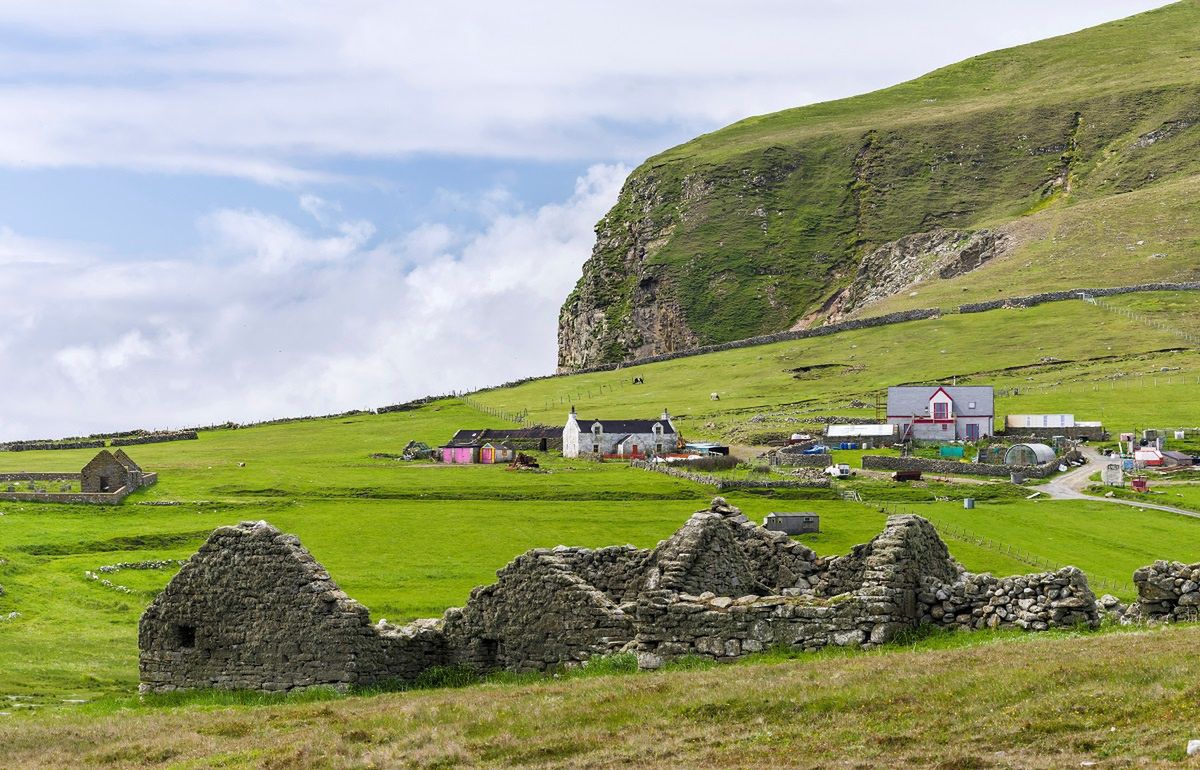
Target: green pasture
{"type": "Point", "coordinates": [410, 539]}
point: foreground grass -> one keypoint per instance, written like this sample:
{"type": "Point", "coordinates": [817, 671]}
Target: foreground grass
{"type": "Point", "coordinates": [1118, 700]}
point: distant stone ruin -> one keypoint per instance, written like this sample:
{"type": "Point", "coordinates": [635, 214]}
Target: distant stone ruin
{"type": "Point", "coordinates": [107, 479]}
{"type": "Point", "coordinates": [252, 608]}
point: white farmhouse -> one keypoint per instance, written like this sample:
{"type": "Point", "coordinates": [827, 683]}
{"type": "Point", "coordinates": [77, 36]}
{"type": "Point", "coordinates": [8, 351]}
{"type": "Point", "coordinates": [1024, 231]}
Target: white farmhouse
{"type": "Point", "coordinates": [942, 413]}
{"type": "Point", "coordinates": [621, 438]}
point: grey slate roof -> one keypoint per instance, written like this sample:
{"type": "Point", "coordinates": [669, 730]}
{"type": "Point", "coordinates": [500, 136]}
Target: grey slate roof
{"type": "Point", "coordinates": [625, 426]}
{"type": "Point", "coordinates": [910, 400]}
{"type": "Point", "coordinates": [478, 436]}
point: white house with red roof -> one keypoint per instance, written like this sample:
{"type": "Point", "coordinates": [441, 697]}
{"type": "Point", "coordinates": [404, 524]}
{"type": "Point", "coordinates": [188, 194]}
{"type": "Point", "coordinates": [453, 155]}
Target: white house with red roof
{"type": "Point", "coordinates": [942, 412]}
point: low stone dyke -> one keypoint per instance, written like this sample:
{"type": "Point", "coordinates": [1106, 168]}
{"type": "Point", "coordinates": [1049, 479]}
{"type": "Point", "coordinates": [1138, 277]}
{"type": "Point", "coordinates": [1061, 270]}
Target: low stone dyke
{"type": "Point", "coordinates": [929, 465]}
{"type": "Point", "coordinates": [1167, 591]}
{"type": "Point", "coordinates": [723, 483]}
{"type": "Point", "coordinates": [24, 476]}
{"type": "Point", "coordinates": [32, 446]}
{"type": "Point", "coordinates": [252, 609]}
{"type": "Point", "coordinates": [1059, 296]}
{"type": "Point", "coordinates": [156, 438]}
{"type": "Point", "coordinates": [800, 460]}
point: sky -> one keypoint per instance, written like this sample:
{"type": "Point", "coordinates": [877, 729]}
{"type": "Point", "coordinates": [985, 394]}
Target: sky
{"type": "Point", "coordinates": [240, 211]}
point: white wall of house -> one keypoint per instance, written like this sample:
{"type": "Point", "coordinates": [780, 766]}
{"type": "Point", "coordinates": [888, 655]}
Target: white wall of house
{"type": "Point", "coordinates": [592, 438]}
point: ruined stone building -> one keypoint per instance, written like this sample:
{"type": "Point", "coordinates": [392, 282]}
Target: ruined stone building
{"type": "Point", "coordinates": [107, 479]}
{"type": "Point", "coordinates": [111, 471]}
{"type": "Point", "coordinates": [253, 609]}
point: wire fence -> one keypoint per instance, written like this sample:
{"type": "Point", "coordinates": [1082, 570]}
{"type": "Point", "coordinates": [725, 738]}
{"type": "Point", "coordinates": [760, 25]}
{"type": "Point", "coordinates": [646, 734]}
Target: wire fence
{"type": "Point", "coordinates": [1006, 549]}
{"type": "Point", "coordinates": [517, 417]}
{"type": "Point", "coordinates": [1145, 320]}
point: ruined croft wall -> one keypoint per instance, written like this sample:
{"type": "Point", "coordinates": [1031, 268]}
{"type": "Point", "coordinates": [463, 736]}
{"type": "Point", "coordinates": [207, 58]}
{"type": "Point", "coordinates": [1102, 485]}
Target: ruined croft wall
{"type": "Point", "coordinates": [1037, 602]}
{"type": "Point", "coordinates": [262, 614]}
{"type": "Point", "coordinates": [1168, 590]}
{"type": "Point", "coordinates": [617, 571]}
{"type": "Point", "coordinates": [537, 615]}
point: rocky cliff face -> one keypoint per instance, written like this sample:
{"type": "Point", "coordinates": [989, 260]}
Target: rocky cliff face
{"type": "Point", "coordinates": [795, 218]}
{"type": "Point", "coordinates": [623, 306]}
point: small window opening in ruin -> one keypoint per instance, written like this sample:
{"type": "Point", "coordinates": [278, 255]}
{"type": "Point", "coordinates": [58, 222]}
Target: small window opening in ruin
{"type": "Point", "coordinates": [489, 652]}
{"type": "Point", "coordinates": [186, 636]}
{"type": "Point", "coordinates": [104, 485]}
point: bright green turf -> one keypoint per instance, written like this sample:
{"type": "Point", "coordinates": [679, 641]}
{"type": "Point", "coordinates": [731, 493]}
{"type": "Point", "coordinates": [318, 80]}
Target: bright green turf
{"type": "Point", "coordinates": [410, 539]}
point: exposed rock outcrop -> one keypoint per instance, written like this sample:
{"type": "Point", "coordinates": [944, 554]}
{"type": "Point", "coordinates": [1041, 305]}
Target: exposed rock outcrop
{"type": "Point", "coordinates": [902, 264]}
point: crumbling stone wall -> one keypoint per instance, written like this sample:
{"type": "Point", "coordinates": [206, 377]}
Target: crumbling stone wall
{"type": "Point", "coordinates": [929, 465]}
{"type": "Point", "coordinates": [540, 613]}
{"type": "Point", "coordinates": [1167, 590]}
{"type": "Point", "coordinates": [253, 609]}
{"type": "Point", "coordinates": [1060, 599]}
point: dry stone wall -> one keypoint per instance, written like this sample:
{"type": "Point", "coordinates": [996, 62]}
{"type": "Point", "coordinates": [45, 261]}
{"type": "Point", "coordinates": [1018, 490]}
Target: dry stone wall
{"type": "Point", "coordinates": [253, 609]}
{"type": "Point", "coordinates": [1167, 590]}
{"type": "Point", "coordinates": [815, 481]}
{"type": "Point", "coordinates": [1059, 296]}
{"type": "Point", "coordinates": [929, 465]}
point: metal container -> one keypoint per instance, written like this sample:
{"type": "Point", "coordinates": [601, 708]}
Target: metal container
{"type": "Point", "coordinates": [968, 503]}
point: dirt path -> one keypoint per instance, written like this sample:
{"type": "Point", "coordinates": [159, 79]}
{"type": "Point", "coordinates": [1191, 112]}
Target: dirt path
{"type": "Point", "coordinates": [1070, 486]}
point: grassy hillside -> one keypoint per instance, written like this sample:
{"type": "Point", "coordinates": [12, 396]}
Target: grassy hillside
{"type": "Point", "coordinates": [410, 539]}
{"type": "Point", "coordinates": [751, 228]}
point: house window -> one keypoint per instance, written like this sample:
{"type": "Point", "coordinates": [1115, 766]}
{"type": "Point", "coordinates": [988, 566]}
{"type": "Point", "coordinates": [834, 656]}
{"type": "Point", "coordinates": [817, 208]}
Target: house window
{"type": "Point", "coordinates": [945, 426]}
{"type": "Point", "coordinates": [595, 449]}
{"type": "Point", "coordinates": [634, 450]}
{"type": "Point", "coordinates": [658, 448]}
{"type": "Point", "coordinates": [185, 636]}
{"type": "Point", "coordinates": [941, 410]}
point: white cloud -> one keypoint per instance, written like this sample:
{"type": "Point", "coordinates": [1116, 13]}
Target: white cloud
{"type": "Point", "coordinates": [242, 89]}
{"type": "Point", "coordinates": [277, 320]}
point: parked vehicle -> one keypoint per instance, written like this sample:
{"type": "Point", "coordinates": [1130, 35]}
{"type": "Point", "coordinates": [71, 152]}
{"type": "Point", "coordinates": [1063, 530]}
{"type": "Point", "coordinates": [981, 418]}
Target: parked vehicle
{"type": "Point", "coordinates": [816, 449]}
{"type": "Point", "coordinates": [839, 471]}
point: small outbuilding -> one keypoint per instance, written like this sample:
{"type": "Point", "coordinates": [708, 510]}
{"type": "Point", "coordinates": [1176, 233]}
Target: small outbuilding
{"type": "Point", "coordinates": [1028, 454]}
{"type": "Point", "coordinates": [1177, 459]}
{"type": "Point", "coordinates": [107, 473]}
{"type": "Point", "coordinates": [792, 523]}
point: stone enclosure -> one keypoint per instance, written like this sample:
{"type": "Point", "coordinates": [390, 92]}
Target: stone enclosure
{"type": "Point", "coordinates": [253, 609]}
{"type": "Point", "coordinates": [107, 479]}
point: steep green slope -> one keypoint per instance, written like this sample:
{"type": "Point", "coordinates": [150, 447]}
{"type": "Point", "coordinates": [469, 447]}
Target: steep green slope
{"type": "Point", "coordinates": [758, 226]}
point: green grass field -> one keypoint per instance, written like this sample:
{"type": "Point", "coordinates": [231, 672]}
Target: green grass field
{"type": "Point", "coordinates": [435, 531]}
{"type": "Point", "coordinates": [411, 539]}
